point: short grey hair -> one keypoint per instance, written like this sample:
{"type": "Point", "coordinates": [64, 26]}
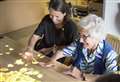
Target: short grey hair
{"type": "Point", "coordinates": [94, 24]}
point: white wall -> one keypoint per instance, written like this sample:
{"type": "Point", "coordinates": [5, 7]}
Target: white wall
{"type": "Point", "coordinates": [111, 14]}
{"type": "Point", "coordinates": [17, 14]}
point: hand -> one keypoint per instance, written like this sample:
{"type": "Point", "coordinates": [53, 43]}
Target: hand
{"type": "Point", "coordinates": [75, 73]}
{"type": "Point", "coordinates": [46, 65]}
{"type": "Point", "coordinates": [27, 55]}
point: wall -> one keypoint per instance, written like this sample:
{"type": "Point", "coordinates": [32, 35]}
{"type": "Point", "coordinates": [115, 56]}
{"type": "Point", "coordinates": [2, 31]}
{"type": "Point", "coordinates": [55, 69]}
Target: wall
{"type": "Point", "coordinates": [17, 14]}
{"type": "Point", "coordinates": [112, 16]}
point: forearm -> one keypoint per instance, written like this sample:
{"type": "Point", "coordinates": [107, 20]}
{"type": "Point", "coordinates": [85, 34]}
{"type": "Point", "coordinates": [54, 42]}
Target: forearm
{"type": "Point", "coordinates": [32, 42]}
{"type": "Point", "coordinates": [58, 55]}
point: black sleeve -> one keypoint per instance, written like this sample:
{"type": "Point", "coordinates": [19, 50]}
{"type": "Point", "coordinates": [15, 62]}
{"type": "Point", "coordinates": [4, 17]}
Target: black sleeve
{"type": "Point", "coordinates": [41, 27]}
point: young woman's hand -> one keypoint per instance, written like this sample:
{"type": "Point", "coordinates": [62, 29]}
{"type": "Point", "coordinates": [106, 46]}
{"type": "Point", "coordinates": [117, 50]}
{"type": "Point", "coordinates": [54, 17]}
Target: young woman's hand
{"type": "Point", "coordinates": [27, 55]}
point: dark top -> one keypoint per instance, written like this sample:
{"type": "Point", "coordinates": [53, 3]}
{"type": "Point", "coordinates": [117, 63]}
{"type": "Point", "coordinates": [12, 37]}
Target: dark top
{"type": "Point", "coordinates": [52, 35]}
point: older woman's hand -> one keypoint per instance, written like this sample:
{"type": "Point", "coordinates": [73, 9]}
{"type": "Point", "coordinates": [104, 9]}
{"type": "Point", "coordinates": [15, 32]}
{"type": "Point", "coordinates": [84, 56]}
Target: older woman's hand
{"type": "Point", "coordinates": [48, 64]}
{"type": "Point", "coordinates": [75, 73]}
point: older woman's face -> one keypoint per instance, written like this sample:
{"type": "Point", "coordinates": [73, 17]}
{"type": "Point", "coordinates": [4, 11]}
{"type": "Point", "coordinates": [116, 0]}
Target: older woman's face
{"type": "Point", "coordinates": [88, 42]}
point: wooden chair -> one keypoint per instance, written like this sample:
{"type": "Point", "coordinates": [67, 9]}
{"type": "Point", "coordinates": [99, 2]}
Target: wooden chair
{"type": "Point", "coordinates": [115, 42]}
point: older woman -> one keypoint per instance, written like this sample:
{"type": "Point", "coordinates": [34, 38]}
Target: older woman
{"type": "Point", "coordinates": [91, 52]}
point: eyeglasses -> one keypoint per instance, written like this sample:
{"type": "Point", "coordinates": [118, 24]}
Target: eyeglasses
{"type": "Point", "coordinates": [84, 36]}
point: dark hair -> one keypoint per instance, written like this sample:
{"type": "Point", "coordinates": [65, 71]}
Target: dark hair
{"type": "Point", "coordinates": [60, 5]}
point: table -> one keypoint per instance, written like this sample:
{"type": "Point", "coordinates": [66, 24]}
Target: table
{"type": "Point", "coordinates": [49, 75]}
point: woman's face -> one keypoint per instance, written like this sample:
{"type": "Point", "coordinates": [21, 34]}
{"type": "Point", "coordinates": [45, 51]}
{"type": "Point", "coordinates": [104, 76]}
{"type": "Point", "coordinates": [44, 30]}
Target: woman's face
{"type": "Point", "coordinates": [87, 40]}
{"type": "Point", "coordinates": [56, 16]}
{"type": "Point", "coordinates": [88, 43]}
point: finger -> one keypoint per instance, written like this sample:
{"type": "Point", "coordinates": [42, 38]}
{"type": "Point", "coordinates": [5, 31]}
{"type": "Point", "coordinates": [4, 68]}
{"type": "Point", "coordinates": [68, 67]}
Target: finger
{"type": "Point", "coordinates": [49, 65]}
{"type": "Point", "coordinates": [67, 72]}
{"type": "Point", "coordinates": [42, 64]}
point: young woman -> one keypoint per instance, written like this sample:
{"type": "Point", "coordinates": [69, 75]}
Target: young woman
{"type": "Point", "coordinates": [55, 30]}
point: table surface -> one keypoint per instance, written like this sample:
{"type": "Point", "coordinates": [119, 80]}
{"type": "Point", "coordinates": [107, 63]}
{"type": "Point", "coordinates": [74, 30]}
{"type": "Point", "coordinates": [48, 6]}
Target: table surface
{"type": "Point", "coordinates": [49, 74]}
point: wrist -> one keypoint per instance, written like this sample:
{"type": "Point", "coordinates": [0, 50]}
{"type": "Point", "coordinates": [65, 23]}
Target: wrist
{"type": "Point", "coordinates": [29, 49]}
